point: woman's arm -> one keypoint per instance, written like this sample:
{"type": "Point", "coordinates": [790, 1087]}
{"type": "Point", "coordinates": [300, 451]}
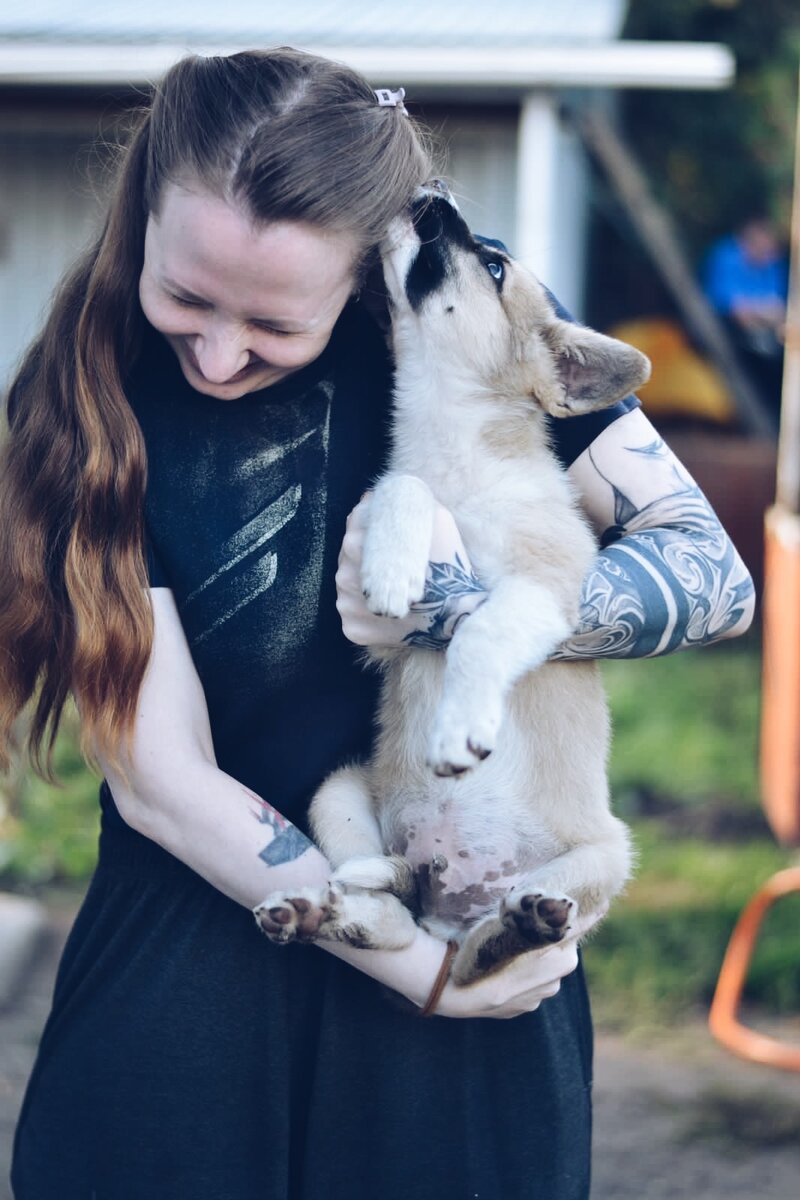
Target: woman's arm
{"type": "Point", "coordinates": [667, 575]}
{"type": "Point", "coordinates": [173, 792]}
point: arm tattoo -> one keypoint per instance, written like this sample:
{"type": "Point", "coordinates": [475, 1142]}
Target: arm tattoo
{"type": "Point", "coordinates": [667, 577]}
{"type": "Point", "coordinates": [446, 585]}
{"type": "Point", "coordinates": [287, 842]}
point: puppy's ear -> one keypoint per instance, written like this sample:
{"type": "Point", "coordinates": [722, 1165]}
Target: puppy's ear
{"type": "Point", "coordinates": [591, 370]}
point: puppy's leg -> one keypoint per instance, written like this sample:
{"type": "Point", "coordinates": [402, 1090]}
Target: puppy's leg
{"type": "Point", "coordinates": [512, 632]}
{"type": "Point", "coordinates": [396, 544]}
{"type": "Point", "coordinates": [370, 920]}
{"type": "Point", "coordinates": [543, 908]}
{"type": "Point", "coordinates": [589, 875]}
{"type": "Point", "coordinates": [346, 829]}
{"type": "Point", "coordinates": [358, 906]}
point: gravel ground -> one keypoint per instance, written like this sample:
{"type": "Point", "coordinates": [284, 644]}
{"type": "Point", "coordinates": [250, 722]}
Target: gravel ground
{"type": "Point", "coordinates": [677, 1117]}
{"type": "Point", "coordinates": [682, 1118]}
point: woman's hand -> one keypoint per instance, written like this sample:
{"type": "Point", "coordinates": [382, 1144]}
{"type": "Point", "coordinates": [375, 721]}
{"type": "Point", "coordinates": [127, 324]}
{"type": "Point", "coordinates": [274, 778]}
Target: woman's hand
{"type": "Point", "coordinates": [518, 988]}
{"type": "Point", "coordinates": [523, 984]}
{"type": "Point", "coordinates": [452, 590]}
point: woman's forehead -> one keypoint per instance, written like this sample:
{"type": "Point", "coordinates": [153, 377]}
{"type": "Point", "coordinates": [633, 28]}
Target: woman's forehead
{"type": "Point", "coordinates": [202, 241]}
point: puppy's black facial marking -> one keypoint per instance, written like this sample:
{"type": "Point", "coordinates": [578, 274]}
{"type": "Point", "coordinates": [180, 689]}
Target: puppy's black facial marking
{"type": "Point", "coordinates": [439, 227]}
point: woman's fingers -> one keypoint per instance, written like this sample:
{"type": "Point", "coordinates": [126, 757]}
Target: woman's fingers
{"type": "Point", "coordinates": [519, 987]}
{"type": "Point", "coordinates": [463, 593]}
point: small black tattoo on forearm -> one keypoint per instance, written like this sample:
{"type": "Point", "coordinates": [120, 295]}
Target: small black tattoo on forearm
{"type": "Point", "coordinates": [288, 842]}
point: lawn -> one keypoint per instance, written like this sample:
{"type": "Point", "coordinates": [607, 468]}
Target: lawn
{"type": "Point", "coordinates": [684, 774]}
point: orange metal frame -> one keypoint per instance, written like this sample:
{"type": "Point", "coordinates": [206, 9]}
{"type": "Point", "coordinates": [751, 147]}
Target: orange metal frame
{"type": "Point", "coordinates": [780, 693]}
{"type": "Point", "coordinates": [722, 1019]}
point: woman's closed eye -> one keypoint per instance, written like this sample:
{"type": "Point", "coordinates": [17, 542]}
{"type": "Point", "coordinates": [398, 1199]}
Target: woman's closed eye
{"type": "Point", "coordinates": [188, 301]}
{"type": "Point", "coordinates": [264, 328]}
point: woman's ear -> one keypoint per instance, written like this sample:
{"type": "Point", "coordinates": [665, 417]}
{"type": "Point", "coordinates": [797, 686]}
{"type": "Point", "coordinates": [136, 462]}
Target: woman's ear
{"type": "Point", "coordinates": [372, 293]}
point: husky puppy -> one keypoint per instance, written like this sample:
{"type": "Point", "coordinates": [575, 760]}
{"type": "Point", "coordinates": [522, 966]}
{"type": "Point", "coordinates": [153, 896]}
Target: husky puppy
{"type": "Point", "coordinates": [485, 806]}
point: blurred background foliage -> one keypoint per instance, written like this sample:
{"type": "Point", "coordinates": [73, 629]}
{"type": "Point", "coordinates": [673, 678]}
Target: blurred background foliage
{"type": "Point", "coordinates": [684, 773]}
{"type": "Point", "coordinates": [716, 159]}
{"type": "Point", "coordinates": [712, 158]}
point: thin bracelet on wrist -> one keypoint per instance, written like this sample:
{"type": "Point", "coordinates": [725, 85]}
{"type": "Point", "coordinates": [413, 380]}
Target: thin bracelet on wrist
{"type": "Point", "coordinates": [439, 983]}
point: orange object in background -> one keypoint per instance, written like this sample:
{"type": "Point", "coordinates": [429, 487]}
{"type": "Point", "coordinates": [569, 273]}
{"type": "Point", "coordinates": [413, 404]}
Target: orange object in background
{"type": "Point", "coordinates": [780, 785]}
{"type": "Point", "coordinates": [722, 1018]}
{"type": "Point", "coordinates": [780, 692]}
{"type": "Point", "coordinates": [682, 384]}
{"type": "Point", "coordinates": [780, 709]}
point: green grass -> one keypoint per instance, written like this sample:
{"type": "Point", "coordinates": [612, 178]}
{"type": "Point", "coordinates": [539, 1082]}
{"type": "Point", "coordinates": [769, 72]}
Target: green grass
{"type": "Point", "coordinates": [686, 746]}
{"type": "Point", "coordinates": [656, 958]}
{"type": "Point", "coordinates": [686, 725]}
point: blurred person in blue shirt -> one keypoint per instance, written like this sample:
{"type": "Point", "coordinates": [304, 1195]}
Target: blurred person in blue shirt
{"type": "Point", "coordinates": [746, 278]}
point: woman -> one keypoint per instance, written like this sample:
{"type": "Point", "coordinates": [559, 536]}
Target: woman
{"type": "Point", "coordinates": [211, 344]}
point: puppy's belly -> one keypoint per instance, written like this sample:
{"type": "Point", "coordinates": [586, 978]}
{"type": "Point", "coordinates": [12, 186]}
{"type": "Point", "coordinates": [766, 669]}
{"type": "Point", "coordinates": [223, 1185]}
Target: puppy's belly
{"type": "Point", "coordinates": [465, 860]}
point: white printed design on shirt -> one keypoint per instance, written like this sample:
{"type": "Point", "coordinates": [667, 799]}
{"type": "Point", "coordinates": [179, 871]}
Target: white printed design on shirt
{"type": "Point", "coordinates": [249, 564]}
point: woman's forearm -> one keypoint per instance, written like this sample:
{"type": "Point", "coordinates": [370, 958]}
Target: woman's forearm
{"type": "Point", "coordinates": [236, 840]}
{"type": "Point", "coordinates": [669, 578]}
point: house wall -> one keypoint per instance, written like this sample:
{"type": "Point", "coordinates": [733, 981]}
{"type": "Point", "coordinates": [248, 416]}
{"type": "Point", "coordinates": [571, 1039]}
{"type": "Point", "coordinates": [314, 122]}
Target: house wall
{"type": "Point", "coordinates": [479, 149]}
{"type": "Point", "coordinates": [48, 210]}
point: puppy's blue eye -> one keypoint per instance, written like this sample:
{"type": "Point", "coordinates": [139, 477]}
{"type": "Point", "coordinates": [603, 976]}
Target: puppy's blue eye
{"type": "Point", "coordinates": [495, 269]}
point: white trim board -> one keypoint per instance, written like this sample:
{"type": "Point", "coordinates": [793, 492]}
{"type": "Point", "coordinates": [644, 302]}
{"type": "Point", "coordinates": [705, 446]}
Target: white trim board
{"type": "Point", "coordinates": [686, 65]}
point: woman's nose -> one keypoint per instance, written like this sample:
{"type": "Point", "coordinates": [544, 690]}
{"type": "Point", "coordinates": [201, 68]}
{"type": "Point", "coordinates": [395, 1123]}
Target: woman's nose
{"type": "Point", "coordinates": [221, 353]}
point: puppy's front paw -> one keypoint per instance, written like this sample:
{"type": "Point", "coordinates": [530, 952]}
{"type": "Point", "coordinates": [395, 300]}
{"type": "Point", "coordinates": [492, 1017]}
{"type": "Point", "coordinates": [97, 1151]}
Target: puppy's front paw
{"type": "Point", "coordinates": [370, 920]}
{"type": "Point", "coordinates": [390, 588]}
{"type": "Point", "coordinates": [541, 919]}
{"type": "Point", "coordinates": [299, 916]}
{"type": "Point", "coordinates": [379, 873]}
{"type": "Point", "coordinates": [397, 540]}
{"type": "Point", "coordinates": [461, 740]}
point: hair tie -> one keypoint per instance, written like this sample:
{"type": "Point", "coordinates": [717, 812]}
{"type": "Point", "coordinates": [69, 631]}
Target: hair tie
{"type": "Point", "coordinates": [388, 99]}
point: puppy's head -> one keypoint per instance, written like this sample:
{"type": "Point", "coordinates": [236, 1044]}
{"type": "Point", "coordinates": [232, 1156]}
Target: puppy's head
{"type": "Point", "coordinates": [469, 307]}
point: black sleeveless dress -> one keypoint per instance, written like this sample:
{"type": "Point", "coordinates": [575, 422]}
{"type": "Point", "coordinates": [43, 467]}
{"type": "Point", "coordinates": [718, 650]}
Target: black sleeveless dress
{"type": "Point", "coordinates": [185, 1057]}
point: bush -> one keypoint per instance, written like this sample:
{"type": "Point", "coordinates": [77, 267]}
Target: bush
{"type": "Point", "coordinates": [49, 834]}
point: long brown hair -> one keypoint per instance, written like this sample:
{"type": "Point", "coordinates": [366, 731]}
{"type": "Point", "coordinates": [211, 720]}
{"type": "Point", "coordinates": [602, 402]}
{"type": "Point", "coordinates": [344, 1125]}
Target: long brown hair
{"type": "Point", "coordinates": [288, 135]}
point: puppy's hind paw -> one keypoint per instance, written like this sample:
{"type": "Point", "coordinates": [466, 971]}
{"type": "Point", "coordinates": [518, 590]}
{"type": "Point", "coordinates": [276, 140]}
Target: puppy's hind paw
{"type": "Point", "coordinates": [297, 917]}
{"type": "Point", "coordinates": [541, 920]}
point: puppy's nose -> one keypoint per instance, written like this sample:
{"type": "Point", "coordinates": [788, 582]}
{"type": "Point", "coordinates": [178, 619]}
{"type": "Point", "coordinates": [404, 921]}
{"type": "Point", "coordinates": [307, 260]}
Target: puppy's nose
{"type": "Point", "coordinates": [439, 187]}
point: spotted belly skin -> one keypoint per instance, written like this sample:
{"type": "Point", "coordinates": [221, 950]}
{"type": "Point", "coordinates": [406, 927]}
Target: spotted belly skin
{"type": "Point", "coordinates": [460, 876]}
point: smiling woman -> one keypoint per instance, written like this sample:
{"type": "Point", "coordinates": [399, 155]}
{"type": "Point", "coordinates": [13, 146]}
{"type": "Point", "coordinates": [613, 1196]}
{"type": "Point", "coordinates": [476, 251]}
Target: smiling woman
{"type": "Point", "coordinates": [242, 305]}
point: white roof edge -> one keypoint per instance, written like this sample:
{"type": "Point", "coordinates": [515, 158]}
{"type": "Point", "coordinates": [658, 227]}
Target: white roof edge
{"type": "Point", "coordinates": [702, 65]}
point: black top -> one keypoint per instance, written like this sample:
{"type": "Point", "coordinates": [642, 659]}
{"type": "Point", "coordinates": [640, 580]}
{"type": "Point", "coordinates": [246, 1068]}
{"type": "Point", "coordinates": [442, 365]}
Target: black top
{"type": "Point", "coordinates": [246, 508]}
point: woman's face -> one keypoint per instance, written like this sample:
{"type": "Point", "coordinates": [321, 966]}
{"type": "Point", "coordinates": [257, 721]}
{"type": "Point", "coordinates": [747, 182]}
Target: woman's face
{"type": "Point", "coordinates": [241, 305]}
